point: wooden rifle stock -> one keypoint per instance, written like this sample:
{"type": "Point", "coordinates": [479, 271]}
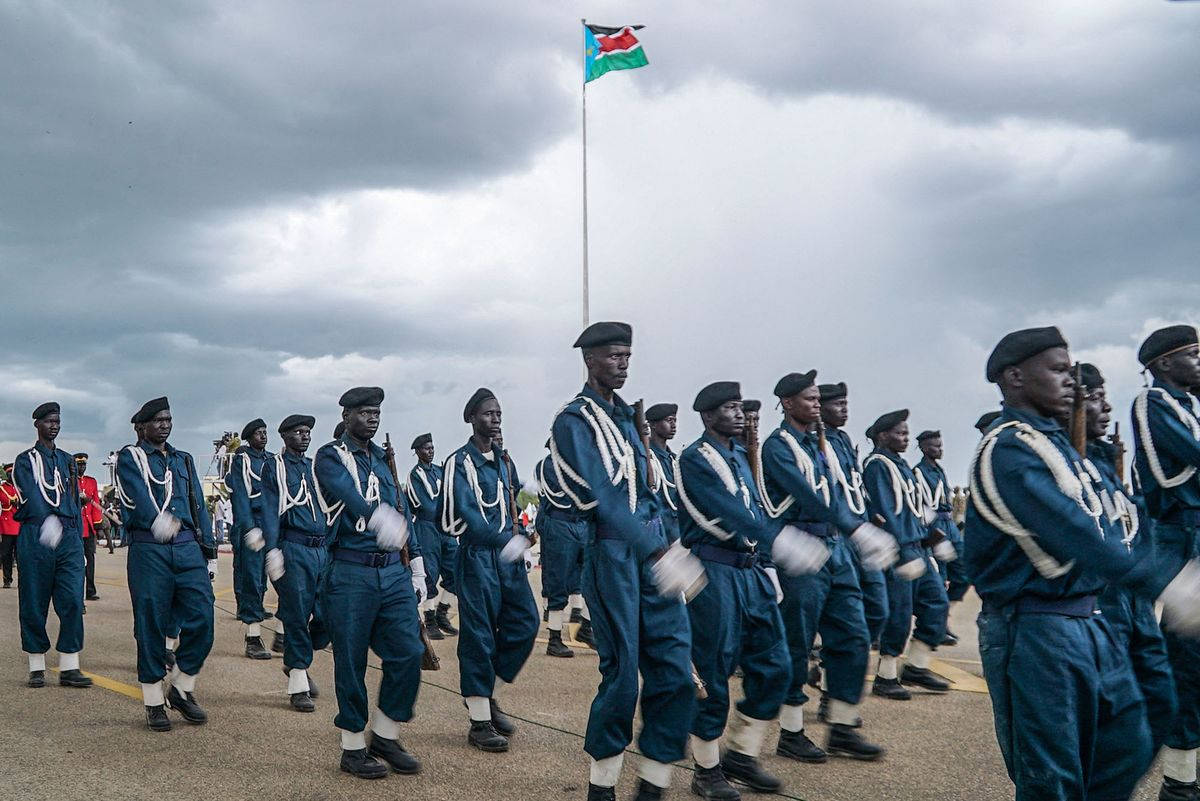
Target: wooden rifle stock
{"type": "Point", "coordinates": [639, 419]}
{"type": "Point", "coordinates": [1119, 455]}
{"type": "Point", "coordinates": [513, 511]}
{"type": "Point", "coordinates": [1079, 413]}
{"type": "Point", "coordinates": [752, 450]}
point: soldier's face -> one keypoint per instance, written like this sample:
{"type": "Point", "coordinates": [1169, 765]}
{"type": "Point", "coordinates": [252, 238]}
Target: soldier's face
{"type": "Point", "coordinates": [297, 439]}
{"type": "Point", "coordinates": [485, 421]}
{"type": "Point", "coordinates": [1045, 382]}
{"type": "Point", "coordinates": [609, 365]}
{"type": "Point", "coordinates": [728, 419]}
{"type": "Point", "coordinates": [158, 429]}
{"type": "Point", "coordinates": [258, 438]}
{"type": "Point", "coordinates": [1183, 367]}
{"type": "Point", "coordinates": [362, 422]}
{"type": "Point", "coordinates": [665, 428]}
{"type": "Point", "coordinates": [805, 406]}
{"type": "Point", "coordinates": [835, 412]}
{"type": "Point", "coordinates": [896, 437]}
{"type": "Point", "coordinates": [932, 447]}
{"type": "Point", "coordinates": [1098, 413]}
{"type": "Point", "coordinates": [425, 453]}
{"type": "Point", "coordinates": [48, 427]}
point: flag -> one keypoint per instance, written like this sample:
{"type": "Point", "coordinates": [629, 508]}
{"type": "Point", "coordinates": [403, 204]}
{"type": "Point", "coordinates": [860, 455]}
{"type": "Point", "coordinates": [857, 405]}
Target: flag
{"type": "Point", "coordinates": [606, 49]}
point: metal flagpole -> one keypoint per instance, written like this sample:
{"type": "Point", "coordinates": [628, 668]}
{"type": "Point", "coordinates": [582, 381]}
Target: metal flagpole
{"type": "Point", "coordinates": [586, 314]}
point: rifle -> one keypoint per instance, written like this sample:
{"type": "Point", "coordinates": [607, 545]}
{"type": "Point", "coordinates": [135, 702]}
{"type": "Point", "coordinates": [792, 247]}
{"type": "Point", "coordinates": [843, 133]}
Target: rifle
{"type": "Point", "coordinates": [821, 441]}
{"type": "Point", "coordinates": [429, 660]}
{"type": "Point", "coordinates": [1079, 413]}
{"type": "Point", "coordinates": [1119, 455]}
{"type": "Point", "coordinates": [752, 450]}
{"type": "Point", "coordinates": [194, 509]}
{"type": "Point", "coordinates": [639, 419]}
{"type": "Point", "coordinates": [512, 499]}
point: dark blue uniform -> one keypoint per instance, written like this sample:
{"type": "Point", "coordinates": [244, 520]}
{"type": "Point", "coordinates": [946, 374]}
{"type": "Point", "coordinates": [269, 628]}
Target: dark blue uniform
{"type": "Point", "coordinates": [664, 470]}
{"type": "Point", "coordinates": [438, 549]}
{"type": "Point", "coordinates": [935, 493]}
{"type": "Point", "coordinates": [565, 532]}
{"type": "Point", "coordinates": [244, 480]}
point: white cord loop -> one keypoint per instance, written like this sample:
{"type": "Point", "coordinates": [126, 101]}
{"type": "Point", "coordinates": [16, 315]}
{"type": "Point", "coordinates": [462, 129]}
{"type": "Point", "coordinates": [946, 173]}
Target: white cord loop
{"type": "Point", "coordinates": [1141, 417]}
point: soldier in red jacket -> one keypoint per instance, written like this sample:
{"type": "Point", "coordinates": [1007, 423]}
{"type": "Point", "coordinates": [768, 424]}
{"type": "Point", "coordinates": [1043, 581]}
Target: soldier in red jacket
{"type": "Point", "coordinates": [93, 514]}
{"type": "Point", "coordinates": [8, 524]}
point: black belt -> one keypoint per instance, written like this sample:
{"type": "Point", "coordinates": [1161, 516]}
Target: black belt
{"type": "Point", "coordinates": [567, 514]}
{"type": "Point", "coordinates": [139, 535]}
{"type": "Point", "coordinates": [1067, 607]}
{"type": "Point", "coordinates": [1184, 517]}
{"type": "Point", "coordinates": [301, 538]}
{"type": "Point", "coordinates": [815, 528]}
{"type": "Point", "coordinates": [368, 558]}
{"type": "Point", "coordinates": [724, 556]}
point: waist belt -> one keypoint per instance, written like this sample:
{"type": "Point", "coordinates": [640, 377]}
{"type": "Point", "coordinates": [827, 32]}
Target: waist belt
{"type": "Point", "coordinates": [567, 514]}
{"type": "Point", "coordinates": [815, 528]}
{"type": "Point", "coordinates": [368, 558]}
{"type": "Point", "coordinates": [1067, 607]}
{"type": "Point", "coordinates": [724, 556]}
{"type": "Point", "coordinates": [1184, 517]}
{"type": "Point", "coordinates": [301, 538]}
{"type": "Point", "coordinates": [185, 535]}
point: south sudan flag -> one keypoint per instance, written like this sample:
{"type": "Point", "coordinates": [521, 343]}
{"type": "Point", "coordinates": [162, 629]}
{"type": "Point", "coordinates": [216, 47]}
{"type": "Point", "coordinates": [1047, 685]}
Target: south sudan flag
{"type": "Point", "coordinates": [606, 49]}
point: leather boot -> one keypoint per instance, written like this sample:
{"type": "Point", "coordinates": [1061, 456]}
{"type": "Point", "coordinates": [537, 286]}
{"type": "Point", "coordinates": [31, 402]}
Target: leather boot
{"type": "Point", "coordinates": [585, 636]}
{"type": "Point", "coordinates": [361, 764]}
{"type": "Point", "coordinates": [185, 704]}
{"type": "Point", "coordinates": [443, 620]}
{"type": "Point", "coordinates": [890, 688]}
{"type": "Point", "coordinates": [648, 792]}
{"type": "Point", "coordinates": [431, 626]}
{"type": "Point", "coordinates": [749, 771]}
{"type": "Point", "coordinates": [74, 678]}
{"type": "Point", "coordinates": [845, 741]}
{"type": "Point", "coordinates": [711, 785]}
{"type": "Point", "coordinates": [598, 793]}
{"type": "Point", "coordinates": [556, 647]}
{"type": "Point", "coordinates": [393, 753]}
{"type": "Point", "coordinates": [924, 678]}
{"type": "Point", "coordinates": [277, 643]}
{"type": "Point", "coordinates": [501, 722]}
{"type": "Point", "coordinates": [796, 745]}
{"type": "Point", "coordinates": [483, 735]}
{"type": "Point", "coordinates": [156, 718]}
{"type": "Point", "coordinates": [255, 648]}
{"type": "Point", "coordinates": [303, 702]}
{"type": "Point", "coordinates": [37, 678]}
{"type": "Point", "coordinates": [1172, 790]}
{"type": "Point", "coordinates": [576, 615]}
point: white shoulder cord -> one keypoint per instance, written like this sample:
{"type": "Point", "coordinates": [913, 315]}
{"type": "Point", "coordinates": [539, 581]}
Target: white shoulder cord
{"type": "Point", "coordinates": [303, 496]}
{"type": "Point", "coordinates": [412, 495]}
{"type": "Point", "coordinates": [609, 441]}
{"type": "Point", "coordinates": [1117, 506]}
{"type": "Point", "coordinates": [904, 489]}
{"type": "Point", "coordinates": [852, 492]}
{"type": "Point", "coordinates": [333, 511]}
{"type": "Point", "coordinates": [247, 475]}
{"type": "Point", "coordinates": [450, 520]}
{"type": "Point", "coordinates": [808, 469]}
{"type": "Point", "coordinates": [664, 484]}
{"type": "Point", "coordinates": [39, 476]}
{"type": "Point", "coordinates": [1142, 418]}
{"type": "Point", "coordinates": [547, 491]}
{"type": "Point", "coordinates": [143, 464]}
{"type": "Point", "coordinates": [711, 526]}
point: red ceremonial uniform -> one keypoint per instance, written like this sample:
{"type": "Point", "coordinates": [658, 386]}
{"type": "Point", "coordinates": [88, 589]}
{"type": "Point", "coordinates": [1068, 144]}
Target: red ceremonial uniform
{"type": "Point", "coordinates": [93, 513]}
{"type": "Point", "coordinates": [8, 508]}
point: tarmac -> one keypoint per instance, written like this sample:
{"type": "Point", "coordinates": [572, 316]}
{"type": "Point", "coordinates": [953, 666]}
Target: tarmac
{"type": "Point", "coordinates": [65, 744]}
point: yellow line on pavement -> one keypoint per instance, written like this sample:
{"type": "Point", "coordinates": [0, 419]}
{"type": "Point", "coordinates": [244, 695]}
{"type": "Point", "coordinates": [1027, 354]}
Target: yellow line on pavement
{"type": "Point", "coordinates": [959, 678]}
{"type": "Point", "coordinates": [112, 684]}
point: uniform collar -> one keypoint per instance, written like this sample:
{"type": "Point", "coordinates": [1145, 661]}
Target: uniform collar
{"type": "Point", "coordinates": [42, 449]}
{"type": "Point", "coordinates": [793, 429]}
{"type": "Point", "coordinates": [617, 407]}
{"type": "Point", "coordinates": [372, 448]}
{"type": "Point", "coordinates": [1039, 423]}
{"type": "Point", "coordinates": [291, 457]}
{"type": "Point", "coordinates": [1177, 394]}
{"type": "Point", "coordinates": [931, 462]}
{"type": "Point", "coordinates": [150, 449]}
{"type": "Point", "coordinates": [890, 454]}
{"type": "Point", "coordinates": [478, 457]}
{"type": "Point", "coordinates": [728, 453]}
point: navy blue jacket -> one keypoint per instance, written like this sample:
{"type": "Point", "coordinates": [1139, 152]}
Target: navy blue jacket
{"type": "Point", "coordinates": [338, 486]}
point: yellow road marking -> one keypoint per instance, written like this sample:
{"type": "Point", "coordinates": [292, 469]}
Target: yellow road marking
{"type": "Point", "coordinates": [959, 678]}
{"type": "Point", "coordinates": [112, 684]}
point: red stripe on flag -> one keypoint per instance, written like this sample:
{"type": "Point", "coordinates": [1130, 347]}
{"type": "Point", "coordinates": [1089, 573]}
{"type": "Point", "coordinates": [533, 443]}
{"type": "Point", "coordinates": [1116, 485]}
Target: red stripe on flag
{"type": "Point", "coordinates": [620, 41]}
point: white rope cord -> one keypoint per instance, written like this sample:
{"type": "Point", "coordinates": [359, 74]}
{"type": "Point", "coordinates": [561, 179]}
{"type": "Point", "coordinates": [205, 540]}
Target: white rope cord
{"type": "Point", "coordinates": [412, 495]}
{"type": "Point", "coordinates": [1142, 418]}
{"type": "Point", "coordinates": [904, 489]}
{"type": "Point", "coordinates": [450, 525]}
{"type": "Point", "coordinates": [930, 497]}
{"type": "Point", "coordinates": [303, 496]}
{"type": "Point", "coordinates": [546, 490]}
{"type": "Point", "coordinates": [143, 465]}
{"type": "Point", "coordinates": [711, 526]}
{"type": "Point", "coordinates": [663, 485]}
{"type": "Point", "coordinates": [852, 490]}
{"type": "Point", "coordinates": [807, 468]}
{"type": "Point", "coordinates": [1117, 506]}
{"type": "Point", "coordinates": [39, 476]}
{"type": "Point", "coordinates": [249, 477]}
{"type": "Point", "coordinates": [609, 441]}
{"type": "Point", "coordinates": [333, 511]}
{"type": "Point", "coordinates": [450, 519]}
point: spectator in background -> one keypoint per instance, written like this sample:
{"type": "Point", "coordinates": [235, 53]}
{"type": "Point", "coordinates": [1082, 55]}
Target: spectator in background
{"type": "Point", "coordinates": [222, 515]}
{"type": "Point", "coordinates": [93, 514]}
{"type": "Point", "coordinates": [8, 524]}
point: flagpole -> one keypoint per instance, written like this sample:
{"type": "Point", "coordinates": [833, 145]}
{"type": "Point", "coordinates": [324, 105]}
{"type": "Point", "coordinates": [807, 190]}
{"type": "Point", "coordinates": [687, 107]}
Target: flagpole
{"type": "Point", "coordinates": [586, 314]}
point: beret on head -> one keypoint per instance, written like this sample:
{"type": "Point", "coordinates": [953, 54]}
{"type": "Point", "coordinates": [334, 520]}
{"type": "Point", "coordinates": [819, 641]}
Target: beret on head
{"type": "Point", "coordinates": [361, 396]}
{"type": "Point", "coordinates": [832, 391]}
{"type": "Point", "coordinates": [607, 333]}
{"type": "Point", "coordinates": [985, 421]}
{"type": "Point", "coordinates": [1090, 375]}
{"type": "Point", "coordinates": [295, 421]}
{"type": "Point", "coordinates": [924, 435]}
{"type": "Point", "coordinates": [80, 457]}
{"type": "Point", "coordinates": [794, 383]}
{"type": "Point", "coordinates": [1018, 346]}
{"type": "Point", "coordinates": [252, 426]}
{"type": "Point", "coordinates": [49, 407]}
{"type": "Point", "coordinates": [481, 394]}
{"type": "Point", "coordinates": [1165, 341]}
{"type": "Point", "coordinates": [149, 409]}
{"type": "Point", "coordinates": [421, 441]}
{"type": "Point", "coordinates": [339, 430]}
{"type": "Point", "coordinates": [886, 422]}
{"type": "Point", "coordinates": [751, 405]}
{"type": "Point", "coordinates": [661, 411]}
{"type": "Point", "coordinates": [715, 394]}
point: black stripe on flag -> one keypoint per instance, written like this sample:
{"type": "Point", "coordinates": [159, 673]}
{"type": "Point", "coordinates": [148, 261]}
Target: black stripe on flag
{"type": "Point", "coordinates": [604, 30]}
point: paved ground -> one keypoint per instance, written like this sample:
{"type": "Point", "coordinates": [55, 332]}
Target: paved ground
{"type": "Point", "coordinates": [92, 744]}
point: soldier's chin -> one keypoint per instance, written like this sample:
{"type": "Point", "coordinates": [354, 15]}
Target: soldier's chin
{"type": "Point", "coordinates": [619, 382]}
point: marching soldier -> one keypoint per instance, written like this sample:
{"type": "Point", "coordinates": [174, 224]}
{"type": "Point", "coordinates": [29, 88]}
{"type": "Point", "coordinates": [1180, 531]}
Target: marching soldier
{"type": "Point", "coordinates": [9, 527]}
{"type": "Point", "coordinates": [564, 533]}
{"type": "Point", "coordinates": [662, 418]}
{"type": "Point", "coordinates": [49, 551]}
{"type": "Point", "coordinates": [497, 612]}
{"type": "Point", "coordinates": [297, 554]}
{"type": "Point", "coordinates": [91, 515]}
{"type": "Point", "coordinates": [371, 596]}
{"type": "Point", "coordinates": [751, 408]}
{"type": "Point", "coordinates": [912, 589]}
{"type": "Point", "coordinates": [244, 480]}
{"type": "Point", "coordinates": [935, 500]}
{"type": "Point", "coordinates": [171, 564]}
{"type": "Point", "coordinates": [437, 549]}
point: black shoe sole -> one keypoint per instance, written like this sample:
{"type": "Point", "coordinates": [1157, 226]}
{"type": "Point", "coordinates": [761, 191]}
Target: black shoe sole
{"type": "Point", "coordinates": [382, 775]}
{"type": "Point", "coordinates": [926, 687]}
{"type": "Point", "coordinates": [259, 657]}
{"type": "Point", "coordinates": [77, 684]}
{"type": "Point", "coordinates": [754, 788]}
{"type": "Point", "coordinates": [451, 632]}
{"type": "Point", "coordinates": [490, 749]}
{"type": "Point", "coordinates": [306, 710]}
{"type": "Point", "coordinates": [844, 752]}
{"type": "Point", "coordinates": [891, 696]}
{"type": "Point", "coordinates": [700, 793]}
{"type": "Point", "coordinates": [568, 654]}
{"type": "Point", "coordinates": [395, 769]}
{"type": "Point", "coordinates": [159, 728]}
{"type": "Point", "coordinates": [821, 760]}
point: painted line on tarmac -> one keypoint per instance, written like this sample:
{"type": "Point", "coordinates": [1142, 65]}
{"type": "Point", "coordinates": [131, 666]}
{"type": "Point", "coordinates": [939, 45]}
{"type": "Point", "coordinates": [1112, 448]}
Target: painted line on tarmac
{"type": "Point", "coordinates": [112, 684]}
{"type": "Point", "coordinates": [959, 678]}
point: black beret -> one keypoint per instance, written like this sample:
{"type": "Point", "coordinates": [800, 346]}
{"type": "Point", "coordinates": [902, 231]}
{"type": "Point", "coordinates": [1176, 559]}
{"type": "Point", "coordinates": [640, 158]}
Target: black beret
{"type": "Point", "coordinates": [1166, 340]}
{"type": "Point", "coordinates": [296, 420]}
{"type": "Point", "coordinates": [985, 421]}
{"type": "Point", "coordinates": [751, 405]}
{"type": "Point", "coordinates": [832, 391]}
{"type": "Point", "coordinates": [46, 408]}
{"type": "Point", "coordinates": [661, 411]}
{"type": "Point", "coordinates": [1018, 346]}
{"type": "Point", "coordinates": [149, 409]}
{"type": "Point", "coordinates": [715, 394]}
{"type": "Point", "coordinates": [421, 441]}
{"type": "Point", "coordinates": [794, 383]}
{"type": "Point", "coordinates": [598, 334]}
{"type": "Point", "coordinates": [361, 396]}
{"type": "Point", "coordinates": [924, 435]}
{"type": "Point", "coordinates": [81, 456]}
{"type": "Point", "coordinates": [252, 426]}
{"type": "Point", "coordinates": [481, 394]}
{"type": "Point", "coordinates": [886, 422]}
{"type": "Point", "coordinates": [1090, 375]}
{"type": "Point", "coordinates": [339, 430]}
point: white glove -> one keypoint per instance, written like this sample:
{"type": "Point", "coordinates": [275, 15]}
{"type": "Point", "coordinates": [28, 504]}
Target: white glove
{"type": "Point", "coordinates": [52, 532]}
{"type": "Point", "coordinates": [677, 572]}
{"type": "Point", "coordinates": [417, 566]}
{"type": "Point", "coordinates": [530, 560]}
{"type": "Point", "coordinates": [514, 549]}
{"type": "Point", "coordinates": [877, 548]}
{"type": "Point", "coordinates": [254, 539]}
{"type": "Point", "coordinates": [165, 526]}
{"type": "Point", "coordinates": [798, 552]}
{"type": "Point", "coordinates": [274, 563]}
{"type": "Point", "coordinates": [911, 571]}
{"type": "Point", "coordinates": [773, 575]}
{"type": "Point", "coordinates": [212, 569]}
{"type": "Point", "coordinates": [390, 527]}
{"type": "Point", "coordinates": [944, 551]}
{"type": "Point", "coordinates": [928, 515]}
{"type": "Point", "coordinates": [531, 487]}
{"type": "Point", "coordinates": [1181, 601]}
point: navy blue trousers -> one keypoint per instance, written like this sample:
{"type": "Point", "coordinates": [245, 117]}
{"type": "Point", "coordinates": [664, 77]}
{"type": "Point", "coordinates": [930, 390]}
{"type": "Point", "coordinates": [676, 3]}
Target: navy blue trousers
{"type": "Point", "coordinates": [298, 589]}
{"type": "Point", "coordinates": [563, 542]}
{"type": "Point", "coordinates": [830, 602]}
{"type": "Point", "coordinates": [736, 622]}
{"type": "Point", "coordinates": [249, 579]}
{"type": "Point", "coordinates": [875, 598]}
{"type": "Point", "coordinates": [637, 631]}
{"type": "Point", "coordinates": [438, 552]}
{"type": "Point", "coordinates": [1069, 715]}
{"type": "Point", "coordinates": [1135, 629]}
{"type": "Point", "coordinates": [924, 598]}
{"type": "Point", "coordinates": [372, 608]}
{"type": "Point", "coordinates": [498, 619]}
{"type": "Point", "coordinates": [1177, 544]}
{"type": "Point", "coordinates": [171, 593]}
{"type": "Point", "coordinates": [44, 575]}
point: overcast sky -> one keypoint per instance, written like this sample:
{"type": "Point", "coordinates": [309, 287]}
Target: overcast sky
{"type": "Point", "coordinates": [251, 206]}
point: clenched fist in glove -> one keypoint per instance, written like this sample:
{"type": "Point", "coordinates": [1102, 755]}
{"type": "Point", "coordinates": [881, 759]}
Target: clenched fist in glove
{"type": "Point", "coordinates": [877, 548]}
{"type": "Point", "coordinates": [417, 566]}
{"type": "Point", "coordinates": [798, 552]}
{"type": "Point", "coordinates": [165, 526]}
{"type": "Point", "coordinates": [390, 527]}
{"type": "Point", "coordinates": [514, 549]}
{"type": "Point", "coordinates": [274, 564]}
{"type": "Point", "coordinates": [52, 532]}
{"type": "Point", "coordinates": [254, 539]}
{"type": "Point", "coordinates": [679, 571]}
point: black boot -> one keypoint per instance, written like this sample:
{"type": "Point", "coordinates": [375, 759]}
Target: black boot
{"type": "Point", "coordinates": [556, 647]}
{"type": "Point", "coordinates": [268, 615]}
{"type": "Point", "coordinates": [277, 643]}
{"type": "Point", "coordinates": [796, 745]}
{"type": "Point", "coordinates": [1172, 790]}
{"type": "Point", "coordinates": [483, 735]}
{"type": "Point", "coordinates": [585, 636]}
{"type": "Point", "coordinates": [890, 688]}
{"type": "Point", "coordinates": [501, 722]}
{"type": "Point", "coordinates": [185, 704]}
{"type": "Point", "coordinates": [598, 793]}
{"type": "Point", "coordinates": [74, 678]}
{"type": "Point", "coordinates": [255, 648]}
{"type": "Point", "coordinates": [169, 659]}
{"type": "Point", "coordinates": [431, 626]}
{"type": "Point", "coordinates": [950, 639]}
{"type": "Point", "coordinates": [648, 792]}
{"type": "Point", "coordinates": [393, 753]}
{"type": "Point", "coordinates": [823, 713]}
{"type": "Point", "coordinates": [711, 784]}
{"type": "Point", "coordinates": [303, 702]}
{"type": "Point", "coordinates": [576, 615]}
{"type": "Point", "coordinates": [37, 678]}
{"type": "Point", "coordinates": [749, 771]}
{"type": "Point", "coordinates": [312, 685]}
{"type": "Point", "coordinates": [545, 614]}
{"type": "Point", "coordinates": [362, 765]}
{"type": "Point", "coordinates": [814, 676]}
{"type": "Point", "coordinates": [443, 620]}
{"type": "Point", "coordinates": [924, 678]}
{"type": "Point", "coordinates": [845, 741]}
{"type": "Point", "coordinates": [156, 718]}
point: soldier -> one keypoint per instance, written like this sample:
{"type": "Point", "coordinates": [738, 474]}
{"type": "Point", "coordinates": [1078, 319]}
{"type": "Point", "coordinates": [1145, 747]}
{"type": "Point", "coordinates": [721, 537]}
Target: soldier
{"type": "Point", "coordinates": [751, 408]}
{"type": "Point", "coordinates": [633, 577]}
{"type": "Point", "coordinates": [49, 551]}
{"type": "Point", "coordinates": [935, 499]}
{"type": "Point", "coordinates": [9, 527]}
{"type": "Point", "coordinates": [91, 515]}
{"type": "Point", "coordinates": [564, 533]}
{"type": "Point", "coordinates": [662, 418]}
{"type": "Point", "coordinates": [796, 490]}
{"type": "Point", "coordinates": [171, 564]}
{"type": "Point", "coordinates": [437, 549]}
{"type": "Point", "coordinates": [985, 421]}
{"type": "Point", "coordinates": [371, 596]}
{"type": "Point", "coordinates": [1166, 436]}
{"type": "Point", "coordinates": [912, 589]}
{"type": "Point", "coordinates": [244, 480]}
{"type": "Point", "coordinates": [1069, 715]}
{"type": "Point", "coordinates": [497, 612]}
{"type": "Point", "coordinates": [735, 618]}
{"type": "Point", "coordinates": [297, 555]}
